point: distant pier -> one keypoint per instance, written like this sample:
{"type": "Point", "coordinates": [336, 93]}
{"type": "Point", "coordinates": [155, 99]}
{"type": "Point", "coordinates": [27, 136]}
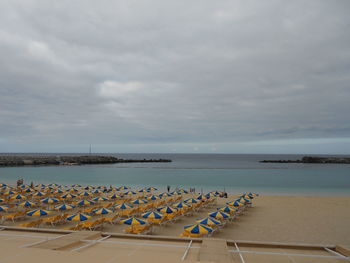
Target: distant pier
{"type": "Point", "coordinates": [26, 160]}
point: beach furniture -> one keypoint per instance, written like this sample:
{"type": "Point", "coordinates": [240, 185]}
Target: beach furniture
{"type": "Point", "coordinates": [79, 217]}
{"type": "Point", "coordinates": [64, 207]}
{"type": "Point", "coordinates": [219, 215]}
{"type": "Point", "coordinates": [4, 208]}
{"type": "Point", "coordinates": [102, 211]}
{"type": "Point", "coordinates": [198, 229]}
{"type": "Point", "coordinates": [32, 224]}
{"type": "Point", "coordinates": [112, 220]}
{"type": "Point", "coordinates": [211, 222]}
{"type": "Point", "coordinates": [55, 220]}
{"type": "Point", "coordinates": [92, 225]}
{"type": "Point", "coordinates": [154, 217]}
{"type": "Point", "coordinates": [145, 229]}
{"type": "Point", "coordinates": [15, 216]}
{"type": "Point", "coordinates": [38, 212]}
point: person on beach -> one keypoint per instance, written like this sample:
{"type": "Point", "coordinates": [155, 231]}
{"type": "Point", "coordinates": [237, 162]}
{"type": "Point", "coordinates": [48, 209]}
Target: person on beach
{"type": "Point", "coordinates": [32, 185]}
{"type": "Point", "coordinates": [168, 187]}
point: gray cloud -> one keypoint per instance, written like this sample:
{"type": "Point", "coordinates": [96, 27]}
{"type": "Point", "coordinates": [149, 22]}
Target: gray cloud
{"type": "Point", "coordinates": [216, 73]}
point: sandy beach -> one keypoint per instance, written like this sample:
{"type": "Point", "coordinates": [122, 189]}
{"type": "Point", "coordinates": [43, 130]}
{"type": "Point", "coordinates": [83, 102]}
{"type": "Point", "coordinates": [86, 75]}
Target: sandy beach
{"type": "Point", "coordinates": [295, 219]}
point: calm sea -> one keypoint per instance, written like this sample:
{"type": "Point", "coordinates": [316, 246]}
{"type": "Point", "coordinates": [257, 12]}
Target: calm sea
{"type": "Point", "coordinates": [231, 172]}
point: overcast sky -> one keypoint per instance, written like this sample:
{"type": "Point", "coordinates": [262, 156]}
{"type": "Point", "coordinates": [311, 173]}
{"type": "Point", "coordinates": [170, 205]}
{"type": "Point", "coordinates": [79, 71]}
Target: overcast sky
{"type": "Point", "coordinates": [175, 76]}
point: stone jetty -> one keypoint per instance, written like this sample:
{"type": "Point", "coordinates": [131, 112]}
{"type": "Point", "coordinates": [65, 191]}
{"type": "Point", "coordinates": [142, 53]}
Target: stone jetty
{"type": "Point", "coordinates": [22, 160]}
{"type": "Point", "coordinates": [313, 159]}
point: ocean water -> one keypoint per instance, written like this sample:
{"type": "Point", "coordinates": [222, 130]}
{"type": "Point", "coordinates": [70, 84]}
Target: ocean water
{"type": "Point", "coordinates": [233, 173]}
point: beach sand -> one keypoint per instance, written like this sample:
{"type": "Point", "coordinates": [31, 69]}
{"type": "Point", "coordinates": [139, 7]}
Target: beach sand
{"type": "Point", "coordinates": [295, 219]}
{"type": "Point", "coordinates": [290, 219]}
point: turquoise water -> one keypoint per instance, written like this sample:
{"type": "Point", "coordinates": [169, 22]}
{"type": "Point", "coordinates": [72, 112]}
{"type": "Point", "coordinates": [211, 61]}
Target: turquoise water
{"type": "Point", "coordinates": [233, 173]}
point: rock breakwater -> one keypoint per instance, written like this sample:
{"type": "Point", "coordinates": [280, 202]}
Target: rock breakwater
{"type": "Point", "coordinates": [313, 159]}
{"type": "Point", "coordinates": [17, 160]}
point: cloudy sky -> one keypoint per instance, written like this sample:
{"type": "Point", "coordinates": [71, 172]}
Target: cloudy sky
{"type": "Point", "coordinates": [175, 76]}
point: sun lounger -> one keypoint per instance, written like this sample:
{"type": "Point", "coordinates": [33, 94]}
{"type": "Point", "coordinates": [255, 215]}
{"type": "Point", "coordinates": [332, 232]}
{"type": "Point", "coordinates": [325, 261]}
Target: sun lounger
{"type": "Point", "coordinates": [32, 224]}
{"type": "Point", "coordinates": [185, 234]}
{"type": "Point", "coordinates": [16, 216]}
{"type": "Point", "coordinates": [93, 225]}
{"type": "Point", "coordinates": [112, 220]}
{"type": "Point", "coordinates": [146, 229]}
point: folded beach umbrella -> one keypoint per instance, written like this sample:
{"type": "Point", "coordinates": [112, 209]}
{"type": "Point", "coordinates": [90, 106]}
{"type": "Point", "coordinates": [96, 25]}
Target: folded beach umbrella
{"type": "Point", "coordinates": [49, 200]}
{"type": "Point", "coordinates": [78, 217]}
{"type": "Point", "coordinates": [123, 206]}
{"type": "Point", "coordinates": [38, 212]}
{"type": "Point", "coordinates": [208, 221]}
{"type": "Point", "coordinates": [192, 201]}
{"type": "Point", "coordinates": [139, 202]}
{"type": "Point", "coordinates": [27, 204]}
{"type": "Point", "coordinates": [64, 207]}
{"type": "Point", "coordinates": [85, 202]}
{"type": "Point", "coordinates": [103, 211]}
{"type": "Point", "coordinates": [198, 229]}
{"type": "Point", "coordinates": [133, 221]}
{"type": "Point", "coordinates": [68, 196]}
{"type": "Point", "coordinates": [152, 215]}
{"type": "Point", "coordinates": [235, 204]}
{"type": "Point", "coordinates": [219, 215]}
{"type": "Point", "coordinates": [18, 197]}
{"type": "Point", "coordinates": [167, 210]}
{"type": "Point", "coordinates": [4, 208]}
{"type": "Point", "coordinates": [153, 197]}
{"type": "Point", "coordinates": [100, 199]}
{"type": "Point", "coordinates": [114, 196]}
{"type": "Point", "coordinates": [227, 209]}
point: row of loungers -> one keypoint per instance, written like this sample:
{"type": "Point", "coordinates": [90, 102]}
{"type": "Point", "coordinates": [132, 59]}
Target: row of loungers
{"type": "Point", "coordinates": [223, 222]}
{"type": "Point", "coordinates": [167, 219]}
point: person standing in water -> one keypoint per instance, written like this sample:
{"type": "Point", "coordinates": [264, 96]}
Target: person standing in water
{"type": "Point", "coordinates": [168, 187]}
